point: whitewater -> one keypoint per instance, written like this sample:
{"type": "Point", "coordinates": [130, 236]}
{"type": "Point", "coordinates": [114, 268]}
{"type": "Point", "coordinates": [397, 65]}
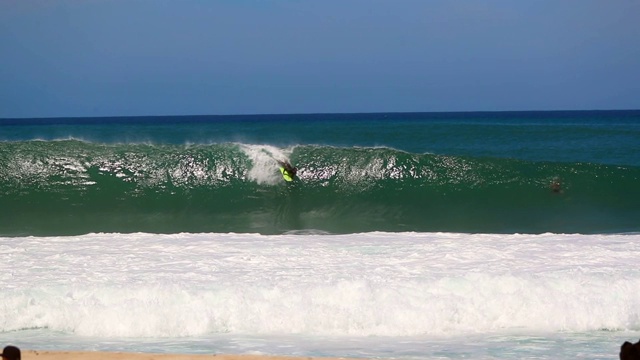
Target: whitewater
{"type": "Point", "coordinates": [387, 294]}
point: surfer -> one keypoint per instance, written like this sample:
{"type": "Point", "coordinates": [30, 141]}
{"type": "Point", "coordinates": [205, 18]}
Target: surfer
{"type": "Point", "coordinates": [555, 186]}
{"type": "Point", "coordinates": [288, 171]}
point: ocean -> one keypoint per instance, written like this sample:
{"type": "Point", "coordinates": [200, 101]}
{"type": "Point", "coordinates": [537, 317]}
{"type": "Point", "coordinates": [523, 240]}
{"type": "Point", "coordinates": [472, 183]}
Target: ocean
{"type": "Point", "coordinates": [491, 235]}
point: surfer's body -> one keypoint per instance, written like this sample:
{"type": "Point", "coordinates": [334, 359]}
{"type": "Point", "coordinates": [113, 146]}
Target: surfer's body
{"type": "Point", "coordinates": [287, 170]}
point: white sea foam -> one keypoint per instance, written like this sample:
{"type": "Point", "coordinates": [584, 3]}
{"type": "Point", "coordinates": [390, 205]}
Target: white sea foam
{"type": "Point", "coordinates": [264, 159]}
{"type": "Point", "coordinates": [373, 284]}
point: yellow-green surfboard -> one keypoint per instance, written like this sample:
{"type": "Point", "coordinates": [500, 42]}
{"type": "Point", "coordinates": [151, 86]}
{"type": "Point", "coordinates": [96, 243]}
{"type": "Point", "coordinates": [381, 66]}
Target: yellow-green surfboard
{"type": "Point", "coordinates": [285, 175]}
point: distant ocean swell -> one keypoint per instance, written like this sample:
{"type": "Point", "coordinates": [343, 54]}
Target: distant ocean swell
{"type": "Point", "coordinates": [70, 187]}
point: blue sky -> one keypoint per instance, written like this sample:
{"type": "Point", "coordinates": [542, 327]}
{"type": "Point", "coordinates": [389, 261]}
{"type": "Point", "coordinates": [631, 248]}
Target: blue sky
{"type": "Point", "coordinates": [158, 57]}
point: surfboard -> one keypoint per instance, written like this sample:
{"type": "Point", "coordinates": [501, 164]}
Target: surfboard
{"type": "Point", "coordinates": [285, 174]}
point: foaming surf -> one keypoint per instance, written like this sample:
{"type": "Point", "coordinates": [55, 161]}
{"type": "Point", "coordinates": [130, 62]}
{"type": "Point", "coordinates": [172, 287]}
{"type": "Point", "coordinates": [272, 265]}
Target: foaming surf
{"type": "Point", "coordinates": [264, 159]}
{"type": "Point", "coordinates": [384, 293]}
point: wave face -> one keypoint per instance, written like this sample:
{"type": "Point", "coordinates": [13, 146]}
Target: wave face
{"type": "Point", "coordinates": [69, 187]}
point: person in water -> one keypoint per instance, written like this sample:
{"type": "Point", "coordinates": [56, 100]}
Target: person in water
{"type": "Point", "coordinates": [555, 186]}
{"type": "Point", "coordinates": [288, 168]}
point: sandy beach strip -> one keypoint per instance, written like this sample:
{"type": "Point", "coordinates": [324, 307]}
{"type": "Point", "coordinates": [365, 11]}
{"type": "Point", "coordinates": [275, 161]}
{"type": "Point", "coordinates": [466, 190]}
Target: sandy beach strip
{"type": "Point", "coordinates": [96, 355]}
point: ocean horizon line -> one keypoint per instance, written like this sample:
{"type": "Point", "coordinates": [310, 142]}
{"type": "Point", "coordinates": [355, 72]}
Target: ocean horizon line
{"type": "Point", "coordinates": [369, 113]}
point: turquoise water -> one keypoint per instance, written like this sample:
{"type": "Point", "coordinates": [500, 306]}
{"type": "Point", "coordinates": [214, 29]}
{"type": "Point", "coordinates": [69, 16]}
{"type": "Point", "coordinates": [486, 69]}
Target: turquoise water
{"type": "Point", "coordinates": [523, 172]}
{"type": "Point", "coordinates": [410, 236]}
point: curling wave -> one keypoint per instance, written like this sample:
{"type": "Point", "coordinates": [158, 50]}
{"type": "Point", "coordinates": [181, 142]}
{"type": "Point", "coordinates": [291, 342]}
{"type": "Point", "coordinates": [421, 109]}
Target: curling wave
{"type": "Point", "coordinates": [72, 187]}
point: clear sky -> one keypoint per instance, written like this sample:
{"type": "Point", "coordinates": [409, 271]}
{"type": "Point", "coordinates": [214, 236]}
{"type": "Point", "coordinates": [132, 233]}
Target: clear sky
{"type": "Point", "coordinates": [183, 57]}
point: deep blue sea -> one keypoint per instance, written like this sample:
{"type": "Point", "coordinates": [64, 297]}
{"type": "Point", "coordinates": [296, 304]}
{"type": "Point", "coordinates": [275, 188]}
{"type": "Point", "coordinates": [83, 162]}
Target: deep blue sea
{"type": "Point", "coordinates": [508, 235]}
{"type": "Point", "coordinates": [504, 172]}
